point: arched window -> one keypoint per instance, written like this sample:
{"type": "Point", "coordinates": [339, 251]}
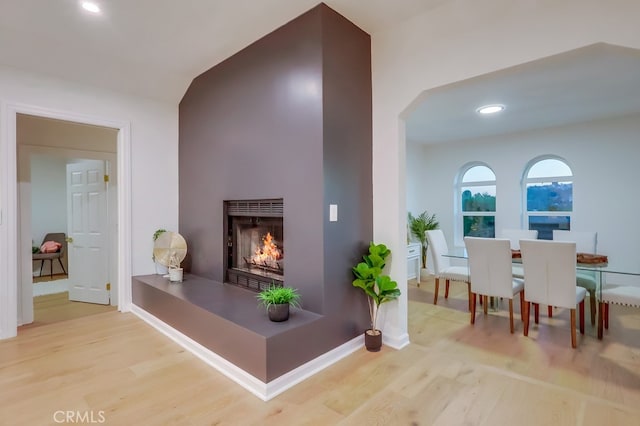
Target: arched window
{"type": "Point", "coordinates": [548, 186]}
{"type": "Point", "coordinates": [476, 195]}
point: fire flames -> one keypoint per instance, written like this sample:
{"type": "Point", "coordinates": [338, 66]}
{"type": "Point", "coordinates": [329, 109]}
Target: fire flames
{"type": "Point", "coordinates": [268, 254]}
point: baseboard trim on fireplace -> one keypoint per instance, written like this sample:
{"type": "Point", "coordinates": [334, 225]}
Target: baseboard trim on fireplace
{"type": "Point", "coordinates": [264, 391]}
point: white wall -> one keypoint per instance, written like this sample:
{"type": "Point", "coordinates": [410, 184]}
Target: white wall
{"type": "Point", "coordinates": [463, 39]}
{"type": "Point", "coordinates": [154, 146]}
{"type": "Point", "coordinates": [602, 155]}
{"type": "Point", "coordinates": [48, 196]}
{"type": "Point", "coordinates": [153, 151]}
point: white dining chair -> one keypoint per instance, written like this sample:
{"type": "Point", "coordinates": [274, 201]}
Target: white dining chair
{"type": "Point", "coordinates": [625, 295]}
{"type": "Point", "coordinates": [490, 273]}
{"type": "Point", "coordinates": [586, 242]}
{"type": "Point", "coordinates": [550, 279]}
{"type": "Point", "coordinates": [442, 266]}
{"type": "Point", "coordinates": [514, 236]}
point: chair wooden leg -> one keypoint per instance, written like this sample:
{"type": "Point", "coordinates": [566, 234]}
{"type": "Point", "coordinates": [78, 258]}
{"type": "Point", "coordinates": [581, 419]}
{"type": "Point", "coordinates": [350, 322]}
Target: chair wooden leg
{"type": "Point", "coordinates": [526, 318]}
{"type": "Point", "coordinates": [600, 319]}
{"type": "Point", "coordinates": [62, 266]}
{"type": "Point", "coordinates": [41, 265]}
{"type": "Point", "coordinates": [473, 308]}
{"type": "Point", "coordinates": [469, 295]}
{"type": "Point", "coordinates": [51, 269]}
{"type": "Point", "coordinates": [581, 314]}
{"type": "Point", "coordinates": [592, 304]}
{"type": "Point", "coordinates": [486, 304]}
{"type": "Point", "coordinates": [550, 311]}
{"type": "Point", "coordinates": [435, 292]}
{"type": "Point", "coordinates": [522, 305]}
{"type": "Point", "coordinates": [606, 316]}
{"type": "Point", "coordinates": [446, 289]}
{"type": "Point", "coordinates": [536, 312]}
{"type": "Point", "coordinates": [511, 314]}
{"type": "Point", "coordinates": [573, 328]}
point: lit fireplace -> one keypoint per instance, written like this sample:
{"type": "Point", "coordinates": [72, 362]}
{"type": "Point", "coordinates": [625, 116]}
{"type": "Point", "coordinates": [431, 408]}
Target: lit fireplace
{"type": "Point", "coordinates": [255, 243]}
{"type": "Point", "coordinates": [267, 256]}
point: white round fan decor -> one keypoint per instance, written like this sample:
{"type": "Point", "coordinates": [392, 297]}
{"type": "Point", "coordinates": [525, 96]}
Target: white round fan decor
{"type": "Point", "coordinates": [169, 247]}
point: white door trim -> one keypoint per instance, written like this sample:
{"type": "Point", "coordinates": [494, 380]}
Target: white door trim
{"type": "Point", "coordinates": [9, 244]}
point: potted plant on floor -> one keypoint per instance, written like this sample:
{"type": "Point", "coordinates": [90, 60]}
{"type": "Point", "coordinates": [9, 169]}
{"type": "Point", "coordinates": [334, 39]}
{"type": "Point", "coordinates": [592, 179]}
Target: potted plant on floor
{"type": "Point", "coordinates": [277, 301]}
{"type": "Point", "coordinates": [378, 287]}
{"type": "Point", "coordinates": [418, 225]}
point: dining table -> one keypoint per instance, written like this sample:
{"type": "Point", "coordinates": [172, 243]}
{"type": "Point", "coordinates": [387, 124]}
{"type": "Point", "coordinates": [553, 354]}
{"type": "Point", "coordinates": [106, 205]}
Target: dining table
{"type": "Point", "coordinates": [601, 271]}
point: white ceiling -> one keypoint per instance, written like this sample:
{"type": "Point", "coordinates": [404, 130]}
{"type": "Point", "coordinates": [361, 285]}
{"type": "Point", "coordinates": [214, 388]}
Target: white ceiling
{"type": "Point", "coordinates": [597, 81]}
{"type": "Point", "coordinates": [154, 48]}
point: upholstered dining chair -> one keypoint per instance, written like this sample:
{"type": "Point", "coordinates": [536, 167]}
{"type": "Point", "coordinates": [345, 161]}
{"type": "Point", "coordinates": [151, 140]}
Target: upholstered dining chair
{"type": "Point", "coordinates": [586, 242]}
{"type": "Point", "coordinates": [442, 265]}
{"type": "Point", "coordinates": [490, 272]}
{"type": "Point", "coordinates": [58, 237]}
{"type": "Point", "coordinates": [550, 279]}
{"type": "Point", "coordinates": [625, 295]}
{"type": "Point", "coordinates": [514, 236]}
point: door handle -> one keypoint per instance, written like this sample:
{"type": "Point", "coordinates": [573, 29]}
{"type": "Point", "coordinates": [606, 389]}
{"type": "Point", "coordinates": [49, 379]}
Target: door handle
{"type": "Point", "coordinates": [69, 239]}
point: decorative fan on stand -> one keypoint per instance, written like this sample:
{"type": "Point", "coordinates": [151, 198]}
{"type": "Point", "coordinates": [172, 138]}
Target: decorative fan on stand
{"type": "Point", "coordinates": [169, 249]}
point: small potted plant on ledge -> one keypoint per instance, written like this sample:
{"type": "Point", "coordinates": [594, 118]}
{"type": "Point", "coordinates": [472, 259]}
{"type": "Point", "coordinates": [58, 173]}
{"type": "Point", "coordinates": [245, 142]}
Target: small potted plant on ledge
{"type": "Point", "coordinates": [378, 287]}
{"type": "Point", "coordinates": [160, 269]}
{"type": "Point", "coordinates": [277, 300]}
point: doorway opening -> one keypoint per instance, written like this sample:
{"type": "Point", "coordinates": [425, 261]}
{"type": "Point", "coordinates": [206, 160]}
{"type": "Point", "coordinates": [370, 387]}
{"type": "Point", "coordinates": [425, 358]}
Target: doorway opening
{"type": "Point", "coordinates": [67, 188]}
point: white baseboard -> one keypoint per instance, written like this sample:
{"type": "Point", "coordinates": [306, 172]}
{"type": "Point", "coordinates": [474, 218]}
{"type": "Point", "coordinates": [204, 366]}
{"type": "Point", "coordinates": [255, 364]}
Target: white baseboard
{"type": "Point", "coordinates": [394, 342]}
{"type": "Point", "coordinates": [262, 390]}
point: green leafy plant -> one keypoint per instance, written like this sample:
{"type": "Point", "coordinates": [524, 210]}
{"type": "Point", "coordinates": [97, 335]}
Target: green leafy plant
{"type": "Point", "coordinates": [378, 287]}
{"type": "Point", "coordinates": [276, 295]}
{"type": "Point", "coordinates": [418, 225]}
{"type": "Point", "coordinates": [155, 237]}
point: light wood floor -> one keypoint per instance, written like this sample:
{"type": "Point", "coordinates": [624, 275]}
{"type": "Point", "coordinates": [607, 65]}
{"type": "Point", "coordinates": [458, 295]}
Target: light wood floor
{"type": "Point", "coordinates": [47, 278]}
{"type": "Point", "coordinates": [53, 308]}
{"type": "Point", "coordinates": [451, 374]}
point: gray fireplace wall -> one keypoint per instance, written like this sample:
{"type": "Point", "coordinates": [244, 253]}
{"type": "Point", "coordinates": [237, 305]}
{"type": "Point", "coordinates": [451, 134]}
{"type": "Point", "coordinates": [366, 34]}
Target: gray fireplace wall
{"type": "Point", "coordinates": [287, 117]}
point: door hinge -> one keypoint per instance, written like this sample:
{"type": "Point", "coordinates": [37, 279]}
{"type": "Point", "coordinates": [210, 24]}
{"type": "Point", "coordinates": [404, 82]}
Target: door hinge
{"type": "Point", "coordinates": [106, 178]}
{"type": "Point", "coordinates": [108, 286]}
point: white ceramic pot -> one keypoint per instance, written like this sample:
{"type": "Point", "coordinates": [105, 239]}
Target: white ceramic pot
{"type": "Point", "coordinates": [175, 275]}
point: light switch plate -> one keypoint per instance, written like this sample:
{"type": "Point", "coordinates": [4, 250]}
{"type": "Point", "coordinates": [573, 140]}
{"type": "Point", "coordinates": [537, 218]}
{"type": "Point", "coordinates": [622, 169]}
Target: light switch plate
{"type": "Point", "coordinates": [333, 212]}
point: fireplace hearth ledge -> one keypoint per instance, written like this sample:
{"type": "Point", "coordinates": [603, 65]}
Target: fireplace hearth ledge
{"type": "Point", "coordinates": [262, 390]}
{"type": "Point", "coordinates": [224, 326]}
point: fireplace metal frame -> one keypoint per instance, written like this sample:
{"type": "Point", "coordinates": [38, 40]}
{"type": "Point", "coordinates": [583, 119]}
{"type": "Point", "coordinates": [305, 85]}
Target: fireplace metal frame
{"type": "Point", "coordinates": [267, 208]}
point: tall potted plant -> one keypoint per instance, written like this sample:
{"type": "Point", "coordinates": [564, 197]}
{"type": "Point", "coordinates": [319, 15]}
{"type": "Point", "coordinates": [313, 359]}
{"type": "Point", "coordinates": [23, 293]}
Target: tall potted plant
{"type": "Point", "coordinates": [378, 287]}
{"type": "Point", "coordinates": [418, 225]}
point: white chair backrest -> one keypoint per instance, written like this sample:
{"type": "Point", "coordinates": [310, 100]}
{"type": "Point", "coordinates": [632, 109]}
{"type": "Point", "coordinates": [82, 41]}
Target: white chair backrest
{"type": "Point", "coordinates": [515, 235]}
{"type": "Point", "coordinates": [438, 247]}
{"type": "Point", "coordinates": [586, 241]}
{"type": "Point", "coordinates": [490, 266]}
{"type": "Point", "coordinates": [549, 272]}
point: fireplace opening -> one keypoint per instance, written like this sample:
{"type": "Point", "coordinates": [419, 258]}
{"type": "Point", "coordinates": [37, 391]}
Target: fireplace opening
{"type": "Point", "coordinates": [255, 243]}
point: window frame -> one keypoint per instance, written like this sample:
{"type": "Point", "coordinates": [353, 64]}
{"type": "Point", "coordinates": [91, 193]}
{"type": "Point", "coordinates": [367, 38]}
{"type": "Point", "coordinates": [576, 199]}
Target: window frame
{"type": "Point", "coordinates": [526, 214]}
{"type": "Point", "coordinates": [459, 214]}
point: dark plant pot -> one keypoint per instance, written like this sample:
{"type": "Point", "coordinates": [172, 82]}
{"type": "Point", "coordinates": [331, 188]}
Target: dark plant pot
{"type": "Point", "coordinates": [373, 342]}
{"type": "Point", "coordinates": [279, 312]}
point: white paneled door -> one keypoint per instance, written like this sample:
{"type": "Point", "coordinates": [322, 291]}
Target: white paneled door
{"type": "Point", "coordinates": [87, 226]}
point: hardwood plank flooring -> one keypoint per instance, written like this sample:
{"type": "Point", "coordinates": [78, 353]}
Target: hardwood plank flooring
{"type": "Point", "coordinates": [452, 373]}
{"type": "Point", "coordinates": [52, 308]}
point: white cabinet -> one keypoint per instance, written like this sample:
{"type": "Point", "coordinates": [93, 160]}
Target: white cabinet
{"type": "Point", "coordinates": [413, 261]}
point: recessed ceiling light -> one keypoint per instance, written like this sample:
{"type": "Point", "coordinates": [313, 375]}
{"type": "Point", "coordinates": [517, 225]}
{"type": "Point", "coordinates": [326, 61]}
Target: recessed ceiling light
{"type": "Point", "coordinates": [90, 7]}
{"type": "Point", "coordinates": [490, 109]}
